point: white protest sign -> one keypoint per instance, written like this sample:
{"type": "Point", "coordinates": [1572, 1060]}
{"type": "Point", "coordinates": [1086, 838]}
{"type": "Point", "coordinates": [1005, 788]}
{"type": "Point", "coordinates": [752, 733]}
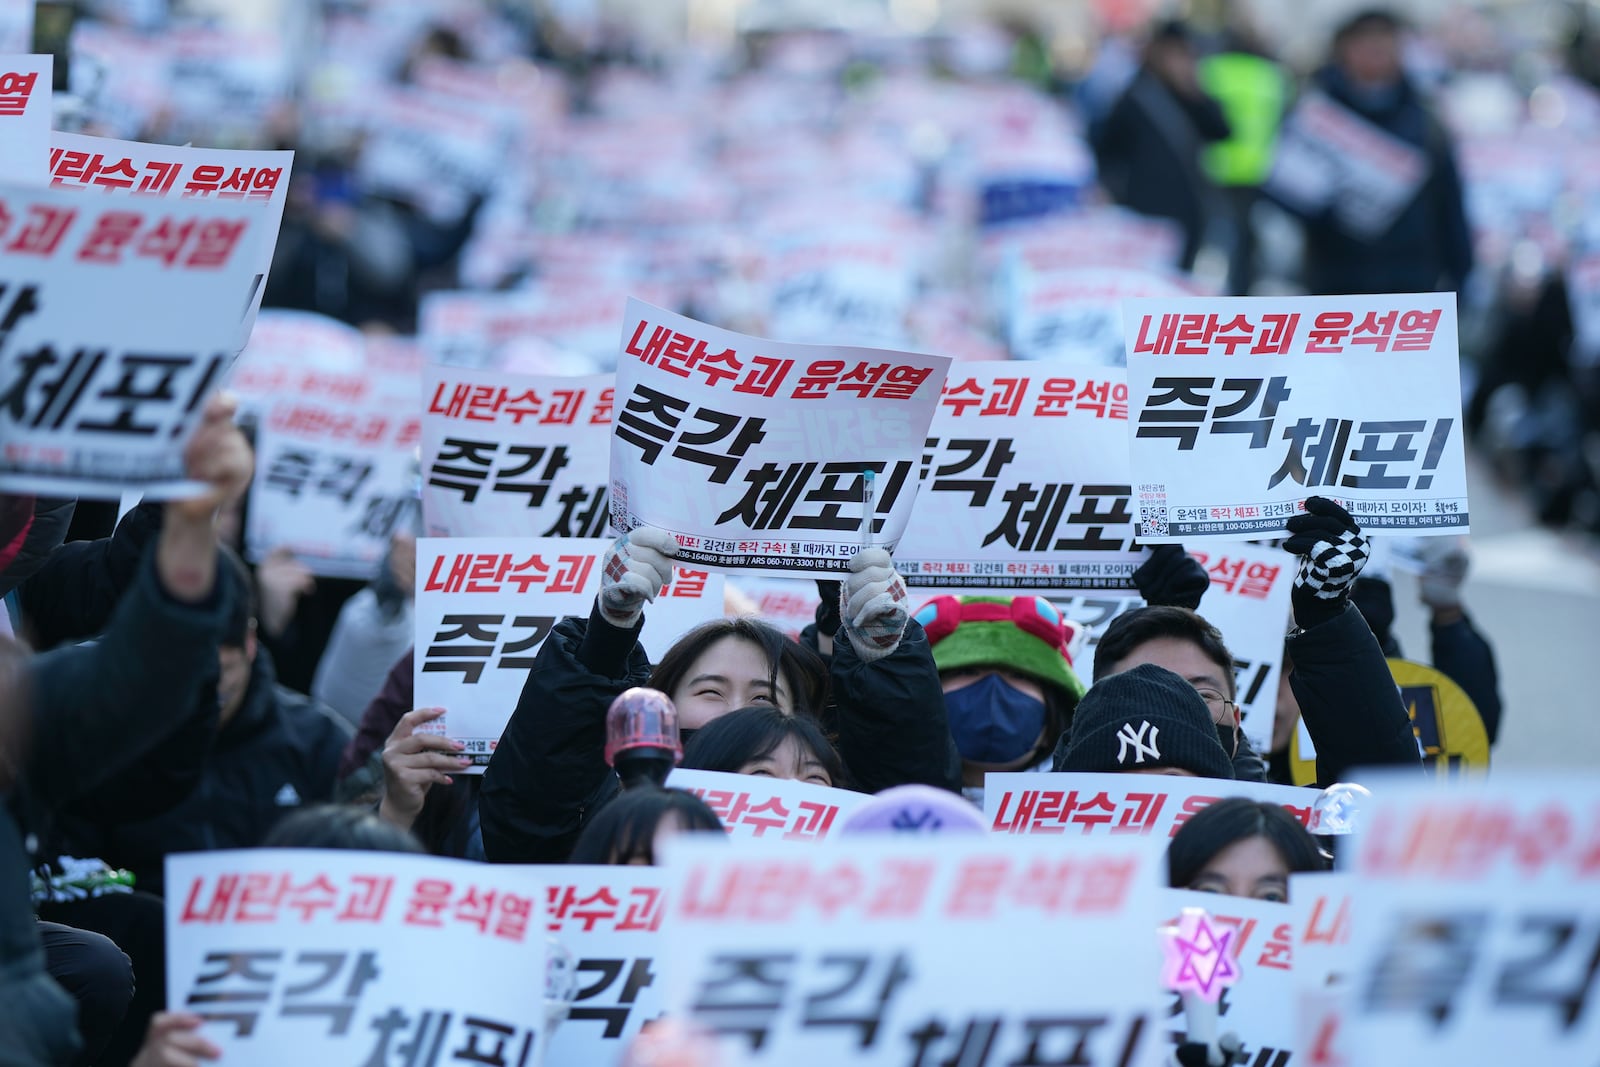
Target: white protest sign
{"type": "Point", "coordinates": [754, 453]}
{"type": "Point", "coordinates": [1476, 927]}
{"type": "Point", "coordinates": [257, 182]}
{"type": "Point", "coordinates": [1025, 482]}
{"type": "Point", "coordinates": [96, 404]}
{"type": "Point", "coordinates": [484, 605]}
{"type": "Point", "coordinates": [889, 950]}
{"type": "Point", "coordinates": [1076, 314]}
{"type": "Point", "coordinates": [1246, 406]}
{"type": "Point", "coordinates": [609, 918]}
{"type": "Point", "coordinates": [298, 355]}
{"type": "Point", "coordinates": [355, 957]}
{"type": "Point", "coordinates": [1249, 602]}
{"type": "Point", "coordinates": [431, 150]}
{"type": "Point", "coordinates": [1324, 903]}
{"type": "Point", "coordinates": [336, 472]}
{"type": "Point", "coordinates": [509, 455]}
{"type": "Point", "coordinates": [547, 330]}
{"type": "Point", "coordinates": [16, 25]}
{"type": "Point", "coordinates": [1328, 156]}
{"type": "Point", "coordinates": [1113, 805]}
{"type": "Point", "coordinates": [756, 806]}
{"type": "Point", "coordinates": [835, 290]}
{"type": "Point", "coordinates": [790, 604]}
{"type": "Point", "coordinates": [25, 118]}
{"type": "Point", "coordinates": [1259, 939]}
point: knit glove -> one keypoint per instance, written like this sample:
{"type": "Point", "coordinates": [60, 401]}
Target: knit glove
{"type": "Point", "coordinates": [1332, 553]}
{"type": "Point", "coordinates": [1444, 568]}
{"type": "Point", "coordinates": [637, 566]}
{"type": "Point", "coordinates": [1172, 577]}
{"type": "Point", "coordinates": [872, 604]}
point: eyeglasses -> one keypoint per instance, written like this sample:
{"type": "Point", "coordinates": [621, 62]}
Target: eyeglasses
{"type": "Point", "coordinates": [1216, 700]}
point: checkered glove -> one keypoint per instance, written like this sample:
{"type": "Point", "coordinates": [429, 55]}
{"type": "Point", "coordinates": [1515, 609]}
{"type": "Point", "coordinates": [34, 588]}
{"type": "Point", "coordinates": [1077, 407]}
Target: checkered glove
{"type": "Point", "coordinates": [1332, 553]}
{"type": "Point", "coordinates": [872, 604]}
{"type": "Point", "coordinates": [637, 566]}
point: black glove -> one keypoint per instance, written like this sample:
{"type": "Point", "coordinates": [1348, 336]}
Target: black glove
{"type": "Point", "coordinates": [828, 611]}
{"type": "Point", "coordinates": [1172, 577]}
{"type": "Point", "coordinates": [1332, 553]}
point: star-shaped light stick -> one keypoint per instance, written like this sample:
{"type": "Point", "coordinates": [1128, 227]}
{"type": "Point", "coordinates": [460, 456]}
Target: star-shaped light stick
{"type": "Point", "coordinates": [1199, 966]}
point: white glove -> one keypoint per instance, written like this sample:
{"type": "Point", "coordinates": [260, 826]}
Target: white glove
{"type": "Point", "coordinates": [637, 566]}
{"type": "Point", "coordinates": [872, 604]}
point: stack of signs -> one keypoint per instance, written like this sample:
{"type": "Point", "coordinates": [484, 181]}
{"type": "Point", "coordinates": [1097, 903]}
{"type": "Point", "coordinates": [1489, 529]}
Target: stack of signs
{"type": "Point", "coordinates": [1252, 943]}
{"type": "Point", "coordinates": [93, 405]}
{"type": "Point", "coordinates": [1025, 482]}
{"type": "Point", "coordinates": [336, 470]}
{"type": "Point", "coordinates": [508, 455]}
{"type": "Point", "coordinates": [257, 183]}
{"type": "Point", "coordinates": [357, 957]}
{"type": "Point", "coordinates": [1245, 407]}
{"type": "Point", "coordinates": [484, 606]}
{"type": "Point", "coordinates": [895, 950]}
{"type": "Point", "coordinates": [758, 455]}
{"type": "Point", "coordinates": [609, 919]}
{"type": "Point", "coordinates": [770, 809]}
{"type": "Point", "coordinates": [1026, 803]}
{"type": "Point", "coordinates": [24, 117]}
{"type": "Point", "coordinates": [1476, 925]}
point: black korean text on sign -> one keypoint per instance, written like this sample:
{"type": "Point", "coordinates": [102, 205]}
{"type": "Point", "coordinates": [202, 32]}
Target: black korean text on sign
{"type": "Point", "coordinates": [1063, 1040]}
{"type": "Point", "coordinates": [424, 1039]}
{"type": "Point", "coordinates": [466, 643]}
{"type": "Point", "coordinates": [650, 420]}
{"type": "Point", "coordinates": [815, 496]}
{"type": "Point", "coordinates": [466, 467]}
{"type": "Point", "coordinates": [609, 973]}
{"type": "Point", "coordinates": [1034, 515]}
{"type": "Point", "coordinates": [235, 987]}
{"type": "Point", "coordinates": [744, 992]}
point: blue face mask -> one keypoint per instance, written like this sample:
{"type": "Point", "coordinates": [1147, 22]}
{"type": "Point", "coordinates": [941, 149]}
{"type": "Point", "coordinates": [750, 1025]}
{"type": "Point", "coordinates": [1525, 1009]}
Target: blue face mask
{"type": "Point", "coordinates": [992, 721]}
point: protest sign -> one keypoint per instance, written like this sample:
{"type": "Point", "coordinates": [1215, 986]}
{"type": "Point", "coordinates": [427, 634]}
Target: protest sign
{"type": "Point", "coordinates": [892, 950]}
{"type": "Point", "coordinates": [257, 182]}
{"type": "Point", "coordinates": [1249, 602]}
{"type": "Point", "coordinates": [693, 404]}
{"type": "Point", "coordinates": [92, 405]}
{"type": "Point", "coordinates": [1025, 482]}
{"type": "Point", "coordinates": [546, 330]}
{"type": "Point", "coordinates": [1475, 937]}
{"type": "Point", "coordinates": [1114, 805]}
{"type": "Point", "coordinates": [830, 289]}
{"type": "Point", "coordinates": [1323, 903]}
{"type": "Point", "coordinates": [1246, 406]}
{"type": "Point", "coordinates": [25, 114]}
{"type": "Point", "coordinates": [484, 605]}
{"type": "Point", "coordinates": [1330, 158]}
{"type": "Point", "coordinates": [356, 957]}
{"type": "Point", "coordinates": [1259, 939]}
{"type": "Point", "coordinates": [431, 150]}
{"type": "Point", "coordinates": [756, 806]}
{"type": "Point", "coordinates": [336, 471]}
{"type": "Point", "coordinates": [1075, 314]}
{"type": "Point", "coordinates": [609, 918]}
{"type": "Point", "coordinates": [790, 604]}
{"type": "Point", "coordinates": [297, 355]}
{"type": "Point", "coordinates": [509, 455]}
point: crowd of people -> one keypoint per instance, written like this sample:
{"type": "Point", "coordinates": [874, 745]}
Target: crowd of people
{"type": "Point", "coordinates": [160, 695]}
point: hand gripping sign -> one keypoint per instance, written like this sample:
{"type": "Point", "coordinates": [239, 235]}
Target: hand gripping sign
{"type": "Point", "coordinates": [757, 455]}
{"type": "Point", "coordinates": [1242, 408]}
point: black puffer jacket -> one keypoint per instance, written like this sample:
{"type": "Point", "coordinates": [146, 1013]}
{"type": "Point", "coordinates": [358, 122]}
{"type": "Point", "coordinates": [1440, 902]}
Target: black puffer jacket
{"type": "Point", "coordinates": [548, 774]}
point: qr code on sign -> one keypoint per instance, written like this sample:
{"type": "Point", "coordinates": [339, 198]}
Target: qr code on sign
{"type": "Point", "coordinates": [1152, 522]}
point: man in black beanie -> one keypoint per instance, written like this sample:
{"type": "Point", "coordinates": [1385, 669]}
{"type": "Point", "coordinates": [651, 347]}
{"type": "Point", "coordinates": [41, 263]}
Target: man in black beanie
{"type": "Point", "coordinates": [1145, 720]}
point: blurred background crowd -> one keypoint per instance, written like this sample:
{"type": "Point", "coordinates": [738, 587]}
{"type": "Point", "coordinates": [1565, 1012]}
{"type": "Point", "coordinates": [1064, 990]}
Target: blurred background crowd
{"type": "Point", "coordinates": [980, 179]}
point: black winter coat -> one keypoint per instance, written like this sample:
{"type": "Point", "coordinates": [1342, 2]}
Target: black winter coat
{"type": "Point", "coordinates": [1348, 699]}
{"type": "Point", "coordinates": [280, 751]}
{"type": "Point", "coordinates": [548, 774]}
{"type": "Point", "coordinates": [1428, 247]}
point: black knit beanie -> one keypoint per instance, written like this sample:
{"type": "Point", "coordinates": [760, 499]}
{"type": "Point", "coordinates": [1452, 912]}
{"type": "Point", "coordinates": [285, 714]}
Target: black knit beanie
{"type": "Point", "coordinates": [1142, 719]}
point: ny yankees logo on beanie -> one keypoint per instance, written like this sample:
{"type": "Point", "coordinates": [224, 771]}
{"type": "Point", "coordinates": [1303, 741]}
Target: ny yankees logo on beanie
{"type": "Point", "coordinates": [1143, 719]}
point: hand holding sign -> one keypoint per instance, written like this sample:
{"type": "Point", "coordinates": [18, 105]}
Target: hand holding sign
{"type": "Point", "coordinates": [638, 565]}
{"type": "Point", "coordinates": [1172, 577]}
{"type": "Point", "coordinates": [1332, 553]}
{"type": "Point", "coordinates": [413, 762]}
{"type": "Point", "coordinates": [873, 604]}
{"type": "Point", "coordinates": [217, 456]}
{"type": "Point", "coordinates": [174, 1040]}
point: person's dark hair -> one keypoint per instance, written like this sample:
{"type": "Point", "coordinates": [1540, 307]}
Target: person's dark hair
{"type": "Point", "coordinates": [732, 740]}
{"type": "Point", "coordinates": [1131, 629]}
{"type": "Point", "coordinates": [340, 826]}
{"type": "Point", "coordinates": [804, 673]}
{"type": "Point", "coordinates": [625, 829]}
{"type": "Point", "coordinates": [1171, 31]}
{"type": "Point", "coordinates": [243, 603]}
{"type": "Point", "coordinates": [1214, 828]}
{"type": "Point", "coordinates": [1371, 20]}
